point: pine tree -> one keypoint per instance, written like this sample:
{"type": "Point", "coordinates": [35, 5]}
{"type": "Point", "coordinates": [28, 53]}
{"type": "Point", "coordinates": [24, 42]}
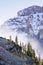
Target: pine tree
{"type": "Point", "coordinates": [10, 38]}
{"type": "Point", "coordinates": [16, 40]}
{"type": "Point", "coordinates": [20, 44]}
{"type": "Point", "coordinates": [29, 50]}
{"type": "Point", "coordinates": [39, 60]}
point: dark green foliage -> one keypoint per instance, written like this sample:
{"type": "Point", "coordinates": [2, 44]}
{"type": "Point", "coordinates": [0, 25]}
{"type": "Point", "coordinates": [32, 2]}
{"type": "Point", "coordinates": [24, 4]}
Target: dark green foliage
{"type": "Point", "coordinates": [30, 51]}
{"type": "Point", "coordinates": [42, 63]}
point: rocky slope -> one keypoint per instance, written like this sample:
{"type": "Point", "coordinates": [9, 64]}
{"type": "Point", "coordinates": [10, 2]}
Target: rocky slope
{"type": "Point", "coordinates": [6, 55]}
{"type": "Point", "coordinates": [9, 54]}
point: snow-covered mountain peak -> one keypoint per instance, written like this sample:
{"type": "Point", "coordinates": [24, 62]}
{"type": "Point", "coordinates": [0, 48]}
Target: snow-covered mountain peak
{"type": "Point", "coordinates": [28, 25]}
{"type": "Point", "coordinates": [25, 23]}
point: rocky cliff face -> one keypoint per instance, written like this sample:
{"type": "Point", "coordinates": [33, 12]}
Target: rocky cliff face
{"type": "Point", "coordinates": [30, 10]}
{"type": "Point", "coordinates": [8, 53]}
{"type": "Point", "coordinates": [6, 58]}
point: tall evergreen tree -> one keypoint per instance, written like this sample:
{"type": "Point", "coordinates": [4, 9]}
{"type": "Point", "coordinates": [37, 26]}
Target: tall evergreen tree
{"type": "Point", "coordinates": [10, 38]}
{"type": "Point", "coordinates": [20, 43]}
{"type": "Point", "coordinates": [39, 60]}
{"type": "Point", "coordinates": [30, 51]}
{"type": "Point", "coordinates": [16, 40]}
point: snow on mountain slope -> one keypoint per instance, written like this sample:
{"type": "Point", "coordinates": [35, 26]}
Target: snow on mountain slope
{"type": "Point", "coordinates": [29, 23]}
{"type": "Point", "coordinates": [24, 23]}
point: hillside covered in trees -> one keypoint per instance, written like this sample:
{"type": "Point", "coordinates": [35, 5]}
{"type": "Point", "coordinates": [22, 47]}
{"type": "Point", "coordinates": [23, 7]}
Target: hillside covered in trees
{"type": "Point", "coordinates": [12, 53]}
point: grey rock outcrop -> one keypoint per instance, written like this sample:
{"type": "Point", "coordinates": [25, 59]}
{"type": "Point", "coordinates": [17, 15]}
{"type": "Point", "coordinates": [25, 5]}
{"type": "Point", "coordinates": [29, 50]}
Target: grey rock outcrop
{"type": "Point", "coordinates": [8, 58]}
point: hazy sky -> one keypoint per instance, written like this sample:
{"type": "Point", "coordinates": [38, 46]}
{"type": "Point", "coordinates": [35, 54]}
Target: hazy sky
{"type": "Point", "coordinates": [9, 8]}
